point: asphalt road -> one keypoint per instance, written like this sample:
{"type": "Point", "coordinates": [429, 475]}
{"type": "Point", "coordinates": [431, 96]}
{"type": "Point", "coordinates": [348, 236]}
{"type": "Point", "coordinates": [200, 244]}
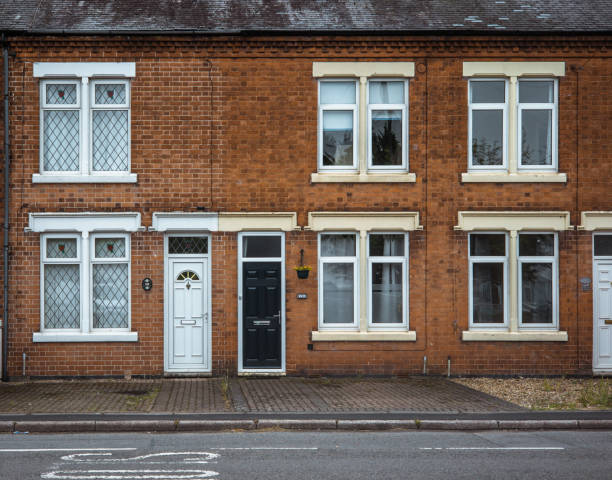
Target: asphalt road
{"type": "Point", "coordinates": [305, 455]}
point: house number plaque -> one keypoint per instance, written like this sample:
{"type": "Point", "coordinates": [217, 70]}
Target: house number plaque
{"type": "Point", "coordinates": [147, 284]}
{"type": "Point", "coordinates": [301, 296]}
{"type": "Point", "coordinates": [585, 283]}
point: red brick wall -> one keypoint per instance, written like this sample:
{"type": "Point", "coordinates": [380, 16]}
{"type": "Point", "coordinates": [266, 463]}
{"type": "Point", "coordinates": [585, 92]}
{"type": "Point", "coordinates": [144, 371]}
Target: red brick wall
{"type": "Point", "coordinates": [230, 124]}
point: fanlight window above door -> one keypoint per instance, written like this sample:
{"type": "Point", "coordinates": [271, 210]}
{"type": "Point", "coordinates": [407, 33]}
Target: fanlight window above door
{"type": "Point", "coordinates": [187, 275]}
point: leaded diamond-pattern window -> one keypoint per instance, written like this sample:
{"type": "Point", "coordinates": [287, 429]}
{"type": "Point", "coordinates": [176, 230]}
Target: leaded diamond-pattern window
{"type": "Point", "coordinates": [85, 129]}
{"type": "Point", "coordinates": [105, 290]}
{"type": "Point", "coordinates": [61, 142]}
{"type": "Point", "coordinates": [188, 245]}
{"type": "Point", "coordinates": [110, 296]}
{"type": "Point", "coordinates": [62, 296]}
{"type": "Point", "coordinates": [110, 247]}
{"type": "Point", "coordinates": [110, 93]}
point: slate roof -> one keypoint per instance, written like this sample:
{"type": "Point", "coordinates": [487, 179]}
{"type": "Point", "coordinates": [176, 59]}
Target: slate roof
{"type": "Point", "coordinates": [334, 16]}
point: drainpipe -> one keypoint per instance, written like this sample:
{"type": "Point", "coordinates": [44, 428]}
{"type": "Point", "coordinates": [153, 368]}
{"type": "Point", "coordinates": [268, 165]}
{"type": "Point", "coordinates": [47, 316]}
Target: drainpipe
{"type": "Point", "coordinates": [5, 226]}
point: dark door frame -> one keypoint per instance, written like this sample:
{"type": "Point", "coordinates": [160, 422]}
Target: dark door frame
{"type": "Point", "coordinates": [241, 260]}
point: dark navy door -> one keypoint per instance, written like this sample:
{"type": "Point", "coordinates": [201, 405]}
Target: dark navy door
{"type": "Point", "coordinates": [261, 310]}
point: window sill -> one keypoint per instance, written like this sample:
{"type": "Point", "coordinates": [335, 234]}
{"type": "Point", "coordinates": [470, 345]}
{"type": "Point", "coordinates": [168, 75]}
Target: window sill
{"type": "Point", "coordinates": [505, 177]}
{"type": "Point", "coordinates": [41, 337]}
{"type": "Point", "coordinates": [124, 178]}
{"type": "Point", "coordinates": [523, 336]}
{"type": "Point", "coordinates": [330, 177]}
{"type": "Point", "coordinates": [405, 336]}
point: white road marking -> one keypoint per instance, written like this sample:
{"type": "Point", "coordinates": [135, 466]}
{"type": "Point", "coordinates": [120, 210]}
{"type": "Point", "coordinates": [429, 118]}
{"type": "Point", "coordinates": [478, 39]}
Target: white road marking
{"type": "Point", "coordinates": [492, 448]}
{"type": "Point", "coordinates": [129, 474]}
{"type": "Point", "coordinates": [263, 448]}
{"type": "Point", "coordinates": [17, 450]}
{"type": "Point", "coordinates": [205, 457]}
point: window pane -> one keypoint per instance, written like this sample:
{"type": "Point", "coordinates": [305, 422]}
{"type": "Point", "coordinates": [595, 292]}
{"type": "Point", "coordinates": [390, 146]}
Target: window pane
{"type": "Point", "coordinates": [488, 293]}
{"type": "Point", "coordinates": [603, 245]}
{"type": "Point", "coordinates": [61, 94]}
{"type": "Point", "coordinates": [536, 92]}
{"type": "Point", "coordinates": [387, 293]}
{"type": "Point", "coordinates": [61, 248]}
{"type": "Point", "coordinates": [110, 295]}
{"type": "Point", "coordinates": [110, 247]}
{"type": "Point", "coordinates": [261, 246]}
{"type": "Point", "coordinates": [387, 245]}
{"type": "Point", "coordinates": [338, 138]}
{"type": "Point", "coordinates": [386, 92]}
{"type": "Point", "coordinates": [536, 245]}
{"type": "Point", "coordinates": [110, 140]}
{"type": "Point", "coordinates": [536, 137]}
{"type": "Point", "coordinates": [187, 245]}
{"type": "Point", "coordinates": [62, 296]}
{"type": "Point", "coordinates": [338, 293]}
{"type": "Point", "coordinates": [487, 132]}
{"type": "Point", "coordinates": [110, 93]}
{"type": "Point", "coordinates": [386, 137]}
{"type": "Point", "coordinates": [488, 92]}
{"type": "Point", "coordinates": [488, 245]}
{"type": "Point", "coordinates": [61, 140]}
{"type": "Point", "coordinates": [537, 292]}
{"type": "Point", "coordinates": [337, 92]}
{"type": "Point", "coordinates": [342, 245]}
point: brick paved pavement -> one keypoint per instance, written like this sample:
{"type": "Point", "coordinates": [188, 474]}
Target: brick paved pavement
{"type": "Point", "coordinates": [251, 395]}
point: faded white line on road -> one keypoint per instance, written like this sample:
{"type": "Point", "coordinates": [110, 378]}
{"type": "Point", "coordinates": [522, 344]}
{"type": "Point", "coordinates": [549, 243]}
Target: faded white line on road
{"type": "Point", "coordinates": [263, 448]}
{"type": "Point", "coordinates": [129, 474]}
{"type": "Point", "coordinates": [492, 448]}
{"type": "Point", "coordinates": [17, 450]}
{"type": "Point", "coordinates": [200, 457]}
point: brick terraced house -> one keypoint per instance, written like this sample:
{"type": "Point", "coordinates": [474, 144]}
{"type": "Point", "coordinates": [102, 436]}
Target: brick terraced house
{"type": "Point", "coordinates": [444, 168]}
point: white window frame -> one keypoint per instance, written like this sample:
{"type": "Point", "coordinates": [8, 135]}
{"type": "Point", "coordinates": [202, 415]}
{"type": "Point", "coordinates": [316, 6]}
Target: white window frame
{"type": "Point", "coordinates": [403, 260]}
{"type": "Point", "coordinates": [115, 106]}
{"type": "Point", "coordinates": [47, 107]}
{"type": "Point", "coordinates": [44, 261]}
{"type": "Point", "coordinates": [355, 261]}
{"type": "Point", "coordinates": [488, 259]}
{"type": "Point", "coordinates": [554, 261]}
{"type": "Point", "coordinates": [488, 106]}
{"type": "Point", "coordinates": [126, 260]}
{"type": "Point", "coordinates": [388, 106]}
{"type": "Point", "coordinates": [553, 107]}
{"type": "Point", "coordinates": [326, 107]}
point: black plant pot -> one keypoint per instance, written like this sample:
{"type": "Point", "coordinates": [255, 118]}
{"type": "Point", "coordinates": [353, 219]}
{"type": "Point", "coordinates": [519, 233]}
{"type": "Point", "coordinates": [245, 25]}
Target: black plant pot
{"type": "Point", "coordinates": [302, 273]}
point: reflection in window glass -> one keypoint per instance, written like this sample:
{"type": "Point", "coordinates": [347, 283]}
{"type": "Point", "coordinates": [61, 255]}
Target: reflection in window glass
{"type": "Point", "coordinates": [386, 137]}
{"type": "Point", "coordinates": [261, 246]}
{"type": "Point", "coordinates": [537, 293]}
{"type": "Point", "coordinates": [487, 137]}
{"type": "Point", "coordinates": [536, 137]}
{"type": "Point", "coordinates": [337, 93]}
{"type": "Point", "coordinates": [386, 245]}
{"type": "Point", "coordinates": [338, 138]}
{"type": "Point", "coordinates": [488, 293]}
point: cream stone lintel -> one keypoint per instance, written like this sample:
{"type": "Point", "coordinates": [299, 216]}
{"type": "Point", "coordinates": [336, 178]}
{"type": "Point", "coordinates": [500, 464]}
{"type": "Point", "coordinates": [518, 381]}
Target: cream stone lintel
{"type": "Point", "coordinates": [514, 221]}
{"type": "Point", "coordinates": [596, 221]}
{"type": "Point", "coordinates": [477, 336]}
{"type": "Point", "coordinates": [402, 177]}
{"type": "Point", "coordinates": [362, 69]}
{"type": "Point", "coordinates": [241, 221]}
{"type": "Point", "coordinates": [363, 221]}
{"type": "Point", "coordinates": [405, 336]}
{"type": "Point", "coordinates": [513, 69]}
{"type": "Point", "coordinates": [505, 177]}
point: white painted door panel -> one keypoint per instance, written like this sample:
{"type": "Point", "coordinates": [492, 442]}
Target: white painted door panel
{"type": "Point", "coordinates": [188, 314]}
{"type": "Point", "coordinates": [603, 316]}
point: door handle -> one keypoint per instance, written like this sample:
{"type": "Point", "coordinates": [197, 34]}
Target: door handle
{"type": "Point", "coordinates": [188, 322]}
{"type": "Point", "coordinates": [277, 315]}
{"type": "Point", "coordinates": [608, 322]}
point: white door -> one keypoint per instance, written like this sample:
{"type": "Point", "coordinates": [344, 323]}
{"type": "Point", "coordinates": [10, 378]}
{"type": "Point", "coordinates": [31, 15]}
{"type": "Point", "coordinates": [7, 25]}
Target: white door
{"type": "Point", "coordinates": [602, 341]}
{"type": "Point", "coordinates": [188, 315]}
